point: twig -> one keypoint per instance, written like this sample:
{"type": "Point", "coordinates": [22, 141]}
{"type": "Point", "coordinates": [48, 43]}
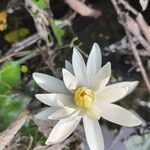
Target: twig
{"type": "Point", "coordinates": [144, 26]}
{"type": "Point", "coordinates": [127, 28]}
{"type": "Point", "coordinates": [10, 55]}
{"type": "Point", "coordinates": [133, 27]}
{"type": "Point", "coordinates": [31, 55]}
{"type": "Point", "coordinates": [24, 43]}
{"type": "Point", "coordinates": [138, 59]}
{"type": "Point", "coordinates": [129, 7]}
{"type": "Point", "coordinates": [82, 52]}
{"type": "Point", "coordinates": [30, 144]}
{"type": "Point", "coordinates": [140, 23]}
{"type": "Point", "coordinates": [7, 135]}
{"type": "Point", "coordinates": [83, 9]}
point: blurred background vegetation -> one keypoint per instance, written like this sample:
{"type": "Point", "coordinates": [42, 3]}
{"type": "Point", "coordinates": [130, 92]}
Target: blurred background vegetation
{"type": "Point", "coordinates": [38, 36]}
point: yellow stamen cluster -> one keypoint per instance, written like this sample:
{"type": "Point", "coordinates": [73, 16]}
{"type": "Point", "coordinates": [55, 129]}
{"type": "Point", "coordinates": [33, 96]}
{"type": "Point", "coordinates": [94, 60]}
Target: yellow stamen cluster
{"type": "Point", "coordinates": [84, 97]}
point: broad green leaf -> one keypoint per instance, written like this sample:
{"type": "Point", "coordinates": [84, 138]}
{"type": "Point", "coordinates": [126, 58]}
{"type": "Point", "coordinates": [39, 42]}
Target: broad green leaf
{"type": "Point", "coordinates": [16, 35]}
{"type": "Point", "coordinates": [10, 76]}
{"type": "Point", "coordinates": [10, 106]}
{"type": "Point", "coordinates": [59, 33]}
{"type": "Point", "coordinates": [41, 3]}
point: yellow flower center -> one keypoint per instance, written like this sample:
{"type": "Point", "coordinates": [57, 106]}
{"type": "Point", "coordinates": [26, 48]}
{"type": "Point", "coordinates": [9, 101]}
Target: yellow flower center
{"type": "Point", "coordinates": [84, 97]}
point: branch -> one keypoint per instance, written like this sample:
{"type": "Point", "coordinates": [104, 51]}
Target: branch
{"type": "Point", "coordinates": [139, 21]}
{"type": "Point", "coordinates": [130, 26]}
{"type": "Point", "coordinates": [144, 26]}
{"type": "Point", "coordinates": [138, 59]}
{"type": "Point", "coordinates": [7, 135]}
{"type": "Point", "coordinates": [83, 9]}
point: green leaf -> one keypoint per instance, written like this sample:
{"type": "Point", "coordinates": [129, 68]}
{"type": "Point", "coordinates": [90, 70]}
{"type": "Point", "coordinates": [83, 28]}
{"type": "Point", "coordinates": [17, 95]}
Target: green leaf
{"type": "Point", "coordinates": [41, 3]}
{"type": "Point", "coordinates": [31, 129]}
{"type": "Point", "coordinates": [10, 108]}
{"type": "Point", "coordinates": [10, 76]}
{"type": "Point", "coordinates": [59, 33]}
{"type": "Point", "coordinates": [16, 35]}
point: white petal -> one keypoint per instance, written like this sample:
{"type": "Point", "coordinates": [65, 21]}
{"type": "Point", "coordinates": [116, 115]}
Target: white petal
{"type": "Point", "coordinates": [93, 113]}
{"type": "Point", "coordinates": [69, 67]}
{"type": "Point", "coordinates": [101, 78]}
{"type": "Point", "coordinates": [62, 113]}
{"type": "Point", "coordinates": [110, 94]}
{"type": "Point", "coordinates": [93, 134]}
{"type": "Point", "coordinates": [119, 115]}
{"type": "Point", "coordinates": [127, 84]}
{"type": "Point", "coordinates": [45, 113]}
{"type": "Point", "coordinates": [70, 80]}
{"type": "Point", "coordinates": [79, 67]}
{"type": "Point", "coordinates": [50, 84]}
{"type": "Point", "coordinates": [62, 130]}
{"type": "Point", "coordinates": [94, 63]}
{"type": "Point", "coordinates": [54, 99]}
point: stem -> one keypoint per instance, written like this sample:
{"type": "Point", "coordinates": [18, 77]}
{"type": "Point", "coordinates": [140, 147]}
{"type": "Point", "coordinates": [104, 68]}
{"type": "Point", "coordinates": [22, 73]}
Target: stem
{"type": "Point", "coordinates": [28, 57]}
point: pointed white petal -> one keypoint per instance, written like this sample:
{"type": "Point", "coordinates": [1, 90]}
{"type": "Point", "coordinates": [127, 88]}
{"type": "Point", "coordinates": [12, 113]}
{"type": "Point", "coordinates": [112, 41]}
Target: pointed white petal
{"type": "Point", "coordinates": [50, 84]}
{"type": "Point", "coordinates": [62, 113]}
{"type": "Point", "coordinates": [101, 78]}
{"type": "Point", "coordinates": [110, 95]}
{"type": "Point", "coordinates": [79, 67]}
{"type": "Point", "coordinates": [93, 134]}
{"type": "Point", "coordinates": [45, 113]}
{"type": "Point", "coordinates": [94, 63]}
{"type": "Point", "coordinates": [119, 115]}
{"type": "Point", "coordinates": [69, 67]}
{"type": "Point", "coordinates": [53, 99]}
{"type": "Point", "coordinates": [131, 85]}
{"type": "Point", "coordinates": [62, 130]}
{"type": "Point", "coordinates": [70, 80]}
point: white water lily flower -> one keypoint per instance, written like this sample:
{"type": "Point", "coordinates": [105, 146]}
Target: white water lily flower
{"type": "Point", "coordinates": [84, 94]}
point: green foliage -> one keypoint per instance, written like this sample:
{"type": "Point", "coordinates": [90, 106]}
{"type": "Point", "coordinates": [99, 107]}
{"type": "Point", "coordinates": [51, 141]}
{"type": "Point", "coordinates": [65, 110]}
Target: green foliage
{"type": "Point", "coordinates": [10, 76]}
{"type": "Point", "coordinates": [16, 35]}
{"type": "Point", "coordinates": [59, 33]}
{"type": "Point", "coordinates": [9, 108]}
{"type": "Point", "coordinates": [30, 129]}
{"type": "Point", "coordinates": [41, 3]}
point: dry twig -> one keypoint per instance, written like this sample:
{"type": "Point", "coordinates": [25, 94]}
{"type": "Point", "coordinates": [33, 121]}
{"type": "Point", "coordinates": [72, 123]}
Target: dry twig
{"type": "Point", "coordinates": [83, 9]}
{"type": "Point", "coordinates": [131, 27]}
{"type": "Point", "coordinates": [139, 61]}
{"type": "Point", "coordinates": [7, 135]}
{"type": "Point", "coordinates": [144, 26]}
{"type": "Point", "coordinates": [140, 22]}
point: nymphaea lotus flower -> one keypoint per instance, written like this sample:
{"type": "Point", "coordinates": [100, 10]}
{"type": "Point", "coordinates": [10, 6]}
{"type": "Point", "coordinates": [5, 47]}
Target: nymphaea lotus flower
{"type": "Point", "coordinates": [84, 94]}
